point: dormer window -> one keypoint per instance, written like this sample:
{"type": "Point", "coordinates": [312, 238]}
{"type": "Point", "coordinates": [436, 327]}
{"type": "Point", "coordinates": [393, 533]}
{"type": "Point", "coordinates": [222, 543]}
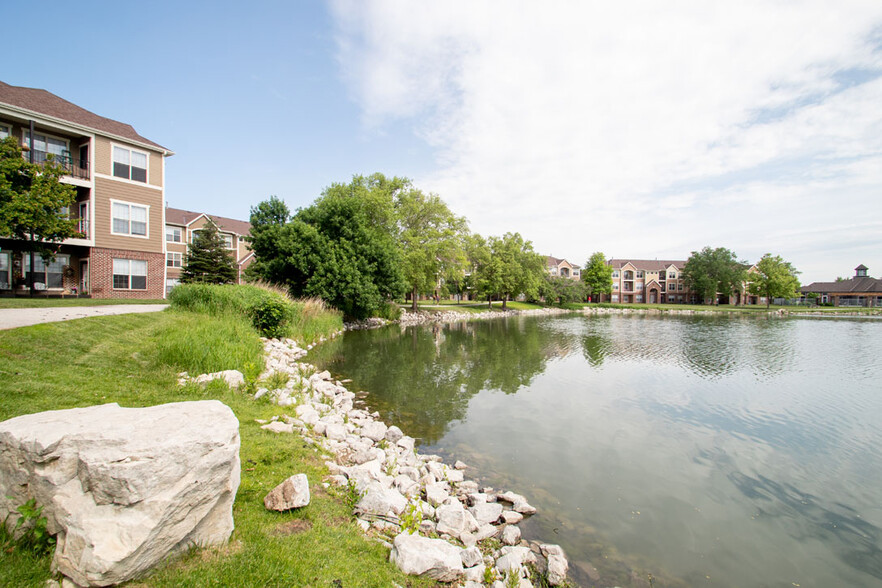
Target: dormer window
{"type": "Point", "coordinates": [861, 271]}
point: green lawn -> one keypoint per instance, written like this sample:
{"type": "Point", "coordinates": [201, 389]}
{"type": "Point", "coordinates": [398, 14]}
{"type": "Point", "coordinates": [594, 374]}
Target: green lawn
{"type": "Point", "coordinates": [133, 360]}
{"type": "Point", "coordinates": [69, 301]}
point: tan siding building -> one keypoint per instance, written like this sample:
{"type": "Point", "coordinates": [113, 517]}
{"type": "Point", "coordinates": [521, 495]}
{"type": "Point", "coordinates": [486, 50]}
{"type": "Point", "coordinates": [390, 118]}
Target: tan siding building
{"type": "Point", "coordinates": [120, 202]}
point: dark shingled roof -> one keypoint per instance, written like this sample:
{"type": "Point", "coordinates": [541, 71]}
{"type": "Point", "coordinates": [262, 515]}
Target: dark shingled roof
{"type": "Point", "coordinates": [49, 104]}
{"type": "Point", "coordinates": [176, 216]}
{"type": "Point", "coordinates": [852, 286]}
{"type": "Point", "coordinates": [651, 265]}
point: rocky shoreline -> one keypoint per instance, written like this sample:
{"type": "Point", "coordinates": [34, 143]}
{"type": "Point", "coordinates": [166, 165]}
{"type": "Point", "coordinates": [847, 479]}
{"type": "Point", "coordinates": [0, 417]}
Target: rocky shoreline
{"type": "Point", "coordinates": [434, 521]}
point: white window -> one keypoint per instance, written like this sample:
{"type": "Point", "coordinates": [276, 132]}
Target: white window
{"type": "Point", "coordinates": [680, 287]}
{"type": "Point", "coordinates": [639, 273]}
{"type": "Point", "coordinates": [615, 274]}
{"type": "Point", "coordinates": [639, 298]}
{"type": "Point", "coordinates": [639, 286]}
{"type": "Point", "coordinates": [173, 234]}
{"type": "Point", "coordinates": [47, 275]}
{"type": "Point", "coordinates": [171, 283]}
{"type": "Point", "coordinates": [5, 279]}
{"type": "Point", "coordinates": [4, 131]}
{"type": "Point", "coordinates": [672, 276]}
{"type": "Point", "coordinates": [129, 164]}
{"type": "Point", "coordinates": [228, 240]}
{"type": "Point", "coordinates": [615, 285]}
{"type": "Point", "coordinates": [614, 298]}
{"type": "Point", "coordinates": [129, 219]}
{"type": "Point", "coordinates": [45, 145]}
{"type": "Point", "coordinates": [129, 274]}
{"type": "Point", "coordinates": [174, 259]}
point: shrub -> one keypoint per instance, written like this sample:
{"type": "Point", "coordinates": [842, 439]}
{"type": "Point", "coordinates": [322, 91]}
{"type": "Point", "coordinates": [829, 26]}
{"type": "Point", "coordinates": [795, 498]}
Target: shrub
{"type": "Point", "coordinates": [389, 311]}
{"type": "Point", "coordinates": [271, 317]}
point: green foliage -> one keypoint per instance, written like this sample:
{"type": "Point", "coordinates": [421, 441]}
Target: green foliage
{"type": "Point", "coordinates": [490, 575]}
{"type": "Point", "coordinates": [773, 278]}
{"type": "Point", "coordinates": [209, 344]}
{"type": "Point", "coordinates": [341, 249]}
{"type": "Point", "coordinates": [30, 530]}
{"type": "Point", "coordinates": [389, 311]}
{"type": "Point", "coordinates": [512, 579]}
{"type": "Point", "coordinates": [563, 291]}
{"type": "Point", "coordinates": [597, 276]}
{"type": "Point", "coordinates": [710, 271]}
{"type": "Point", "coordinates": [508, 267]}
{"type": "Point", "coordinates": [303, 320]}
{"type": "Point", "coordinates": [208, 260]}
{"type": "Point", "coordinates": [271, 317]}
{"type": "Point", "coordinates": [431, 240]}
{"type": "Point", "coordinates": [412, 518]}
{"type": "Point", "coordinates": [33, 201]}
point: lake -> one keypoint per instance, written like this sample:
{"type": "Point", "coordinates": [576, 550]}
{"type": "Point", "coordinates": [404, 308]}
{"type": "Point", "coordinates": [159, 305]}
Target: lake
{"type": "Point", "coordinates": [701, 450]}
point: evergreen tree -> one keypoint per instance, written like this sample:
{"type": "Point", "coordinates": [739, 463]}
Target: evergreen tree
{"type": "Point", "coordinates": [208, 259]}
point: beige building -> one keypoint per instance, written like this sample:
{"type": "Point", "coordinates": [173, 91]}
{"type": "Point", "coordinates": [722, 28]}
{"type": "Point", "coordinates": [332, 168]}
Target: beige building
{"type": "Point", "coordinates": [120, 201]}
{"type": "Point", "coordinates": [182, 225]}
{"type": "Point", "coordinates": [648, 281]}
{"type": "Point", "coordinates": [860, 291]}
{"type": "Point", "coordinates": [562, 268]}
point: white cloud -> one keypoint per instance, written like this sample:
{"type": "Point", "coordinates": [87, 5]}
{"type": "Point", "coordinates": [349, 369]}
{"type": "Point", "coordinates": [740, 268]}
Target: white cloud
{"type": "Point", "coordinates": [640, 129]}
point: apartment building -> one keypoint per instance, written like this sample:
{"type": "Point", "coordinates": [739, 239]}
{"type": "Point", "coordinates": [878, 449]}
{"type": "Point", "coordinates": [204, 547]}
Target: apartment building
{"type": "Point", "coordinates": [119, 177]}
{"type": "Point", "coordinates": [562, 268]}
{"type": "Point", "coordinates": [181, 226]}
{"type": "Point", "coordinates": [649, 281]}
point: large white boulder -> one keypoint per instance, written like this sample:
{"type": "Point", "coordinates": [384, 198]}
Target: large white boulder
{"type": "Point", "coordinates": [417, 556]}
{"type": "Point", "coordinates": [123, 488]}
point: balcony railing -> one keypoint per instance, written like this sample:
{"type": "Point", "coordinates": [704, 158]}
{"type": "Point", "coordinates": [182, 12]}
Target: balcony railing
{"type": "Point", "coordinates": [83, 227]}
{"type": "Point", "coordinates": [78, 168]}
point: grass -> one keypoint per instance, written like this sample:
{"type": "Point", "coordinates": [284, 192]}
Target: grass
{"type": "Point", "coordinates": [69, 301]}
{"type": "Point", "coordinates": [133, 360]}
{"type": "Point", "coordinates": [472, 306]}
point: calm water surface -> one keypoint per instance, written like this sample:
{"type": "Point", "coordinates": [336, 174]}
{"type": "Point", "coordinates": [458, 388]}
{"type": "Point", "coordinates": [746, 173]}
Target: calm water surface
{"type": "Point", "coordinates": [706, 451]}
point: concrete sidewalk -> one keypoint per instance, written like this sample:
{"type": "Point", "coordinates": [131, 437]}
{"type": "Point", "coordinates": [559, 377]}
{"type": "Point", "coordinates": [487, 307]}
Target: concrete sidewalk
{"type": "Point", "coordinates": [12, 318]}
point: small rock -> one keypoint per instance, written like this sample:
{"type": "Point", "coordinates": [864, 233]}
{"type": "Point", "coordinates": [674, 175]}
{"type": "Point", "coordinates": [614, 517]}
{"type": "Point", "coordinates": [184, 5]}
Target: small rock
{"type": "Point", "coordinates": [393, 434]}
{"type": "Point", "coordinates": [471, 557]}
{"type": "Point", "coordinates": [511, 517]}
{"type": "Point", "coordinates": [279, 427]}
{"type": "Point", "coordinates": [292, 493]}
{"type": "Point", "coordinates": [510, 535]}
{"type": "Point", "coordinates": [417, 556]}
{"type": "Point", "coordinates": [486, 512]}
{"type": "Point", "coordinates": [459, 465]}
{"type": "Point", "coordinates": [557, 570]}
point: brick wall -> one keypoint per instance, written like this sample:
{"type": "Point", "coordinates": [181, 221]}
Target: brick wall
{"type": "Point", "coordinates": [101, 270]}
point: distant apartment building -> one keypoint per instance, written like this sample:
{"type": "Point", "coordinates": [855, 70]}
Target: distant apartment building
{"type": "Point", "coordinates": [182, 225]}
{"type": "Point", "coordinates": [562, 268]}
{"type": "Point", "coordinates": [648, 281]}
{"type": "Point", "coordinates": [859, 291]}
{"type": "Point", "coordinates": [119, 177]}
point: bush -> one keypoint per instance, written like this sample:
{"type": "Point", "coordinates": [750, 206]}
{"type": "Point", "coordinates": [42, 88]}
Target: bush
{"type": "Point", "coordinates": [269, 310]}
{"type": "Point", "coordinates": [389, 311]}
{"type": "Point", "coordinates": [271, 317]}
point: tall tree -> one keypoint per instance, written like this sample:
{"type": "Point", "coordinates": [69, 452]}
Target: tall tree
{"type": "Point", "coordinates": [597, 275]}
{"type": "Point", "coordinates": [431, 240]}
{"type": "Point", "coordinates": [511, 269]}
{"type": "Point", "coordinates": [34, 203]}
{"type": "Point", "coordinates": [710, 271]}
{"type": "Point", "coordinates": [342, 249]}
{"type": "Point", "coordinates": [773, 278]}
{"type": "Point", "coordinates": [208, 259]}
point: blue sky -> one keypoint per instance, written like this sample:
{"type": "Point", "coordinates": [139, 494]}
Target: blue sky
{"type": "Point", "coordinates": [638, 129]}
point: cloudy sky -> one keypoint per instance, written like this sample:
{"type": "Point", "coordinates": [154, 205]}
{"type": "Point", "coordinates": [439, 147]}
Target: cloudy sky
{"type": "Point", "coordinates": [640, 129]}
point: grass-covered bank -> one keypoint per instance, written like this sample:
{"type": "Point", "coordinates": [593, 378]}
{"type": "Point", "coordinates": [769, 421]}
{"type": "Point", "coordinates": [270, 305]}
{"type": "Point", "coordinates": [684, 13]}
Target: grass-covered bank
{"type": "Point", "coordinates": [134, 360]}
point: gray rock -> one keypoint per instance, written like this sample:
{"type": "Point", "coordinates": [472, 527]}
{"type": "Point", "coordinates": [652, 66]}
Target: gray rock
{"type": "Point", "coordinates": [378, 500]}
{"type": "Point", "coordinates": [437, 493]}
{"type": "Point", "coordinates": [513, 558]}
{"type": "Point", "coordinates": [459, 465]}
{"type": "Point", "coordinates": [452, 519]}
{"type": "Point", "coordinates": [420, 556]}
{"type": "Point", "coordinates": [510, 535]}
{"type": "Point", "coordinates": [511, 517]}
{"type": "Point", "coordinates": [375, 431]}
{"type": "Point", "coordinates": [292, 493]}
{"type": "Point", "coordinates": [393, 434]}
{"type": "Point", "coordinates": [335, 432]}
{"type": "Point", "coordinates": [123, 488]}
{"type": "Point", "coordinates": [487, 512]}
{"type": "Point", "coordinates": [557, 570]}
{"type": "Point", "coordinates": [471, 557]}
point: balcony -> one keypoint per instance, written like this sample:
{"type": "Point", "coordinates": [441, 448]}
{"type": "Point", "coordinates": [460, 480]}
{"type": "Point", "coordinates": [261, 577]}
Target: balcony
{"type": "Point", "coordinates": [78, 168]}
{"type": "Point", "coordinates": [83, 227]}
